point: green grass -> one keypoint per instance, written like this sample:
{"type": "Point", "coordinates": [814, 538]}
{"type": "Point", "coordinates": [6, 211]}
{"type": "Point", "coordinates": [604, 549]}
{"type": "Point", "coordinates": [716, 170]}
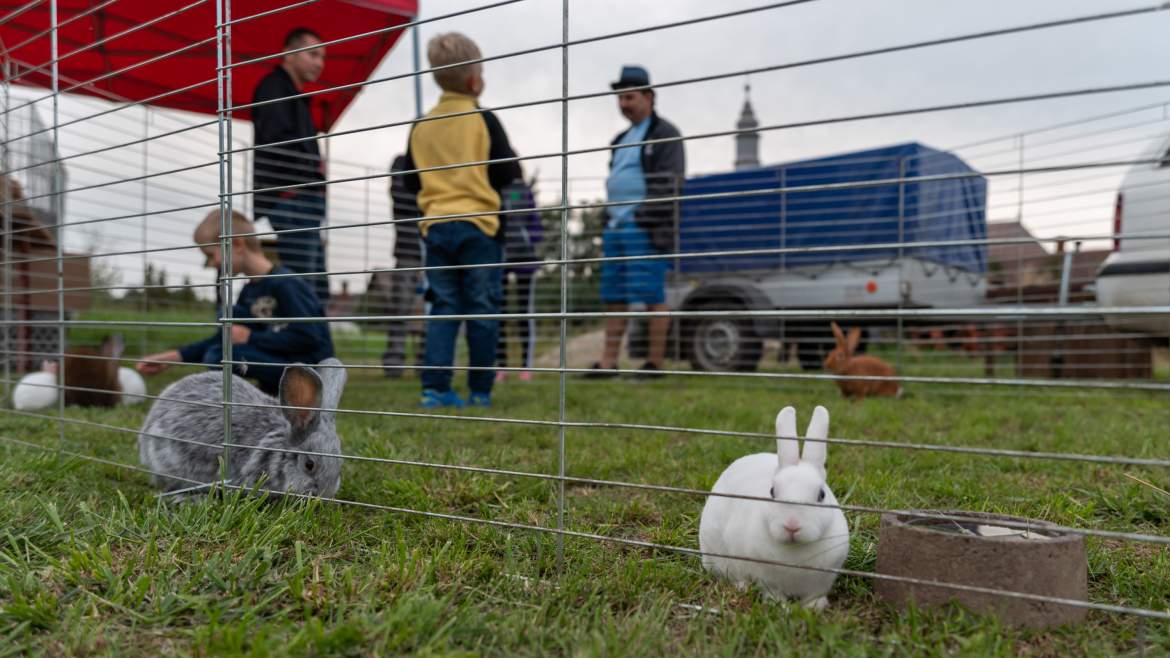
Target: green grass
{"type": "Point", "coordinates": [91, 563]}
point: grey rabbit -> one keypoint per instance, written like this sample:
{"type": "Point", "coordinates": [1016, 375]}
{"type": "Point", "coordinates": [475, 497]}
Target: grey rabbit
{"type": "Point", "coordinates": [283, 429]}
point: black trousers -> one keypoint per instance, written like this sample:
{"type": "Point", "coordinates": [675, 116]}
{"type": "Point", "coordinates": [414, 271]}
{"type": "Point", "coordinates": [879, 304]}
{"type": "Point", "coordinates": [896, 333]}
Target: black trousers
{"type": "Point", "coordinates": [519, 297]}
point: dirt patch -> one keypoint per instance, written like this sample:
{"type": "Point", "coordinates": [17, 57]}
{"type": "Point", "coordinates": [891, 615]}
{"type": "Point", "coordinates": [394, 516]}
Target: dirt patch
{"type": "Point", "coordinates": [581, 351]}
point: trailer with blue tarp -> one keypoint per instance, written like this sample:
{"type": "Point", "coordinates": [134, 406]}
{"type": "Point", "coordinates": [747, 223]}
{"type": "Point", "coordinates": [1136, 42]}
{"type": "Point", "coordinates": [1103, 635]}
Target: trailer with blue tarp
{"type": "Point", "coordinates": [899, 226]}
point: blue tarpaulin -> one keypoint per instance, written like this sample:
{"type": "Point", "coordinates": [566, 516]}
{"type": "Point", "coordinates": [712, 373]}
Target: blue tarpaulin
{"type": "Point", "coordinates": [914, 211]}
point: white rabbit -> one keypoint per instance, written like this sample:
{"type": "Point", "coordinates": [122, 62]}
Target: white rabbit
{"type": "Point", "coordinates": [812, 532]}
{"type": "Point", "coordinates": [133, 386]}
{"type": "Point", "coordinates": [36, 390]}
{"type": "Point", "coordinates": [92, 379]}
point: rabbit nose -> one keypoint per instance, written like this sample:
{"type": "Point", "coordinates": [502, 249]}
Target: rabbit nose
{"type": "Point", "coordinates": [792, 527]}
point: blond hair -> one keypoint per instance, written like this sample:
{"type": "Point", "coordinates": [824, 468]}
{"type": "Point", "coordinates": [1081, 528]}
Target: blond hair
{"type": "Point", "coordinates": [208, 230]}
{"type": "Point", "coordinates": [453, 48]}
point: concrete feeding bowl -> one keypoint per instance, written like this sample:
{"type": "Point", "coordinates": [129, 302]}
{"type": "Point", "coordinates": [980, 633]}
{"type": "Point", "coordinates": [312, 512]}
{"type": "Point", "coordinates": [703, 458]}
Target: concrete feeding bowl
{"type": "Point", "coordinates": [979, 552]}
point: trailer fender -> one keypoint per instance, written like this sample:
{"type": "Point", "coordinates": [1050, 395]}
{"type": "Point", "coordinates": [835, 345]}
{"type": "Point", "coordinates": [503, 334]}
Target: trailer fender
{"type": "Point", "coordinates": [732, 295]}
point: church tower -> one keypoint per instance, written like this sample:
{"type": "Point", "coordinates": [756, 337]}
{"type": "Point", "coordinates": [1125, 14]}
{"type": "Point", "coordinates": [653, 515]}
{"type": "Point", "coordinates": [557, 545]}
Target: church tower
{"type": "Point", "coordinates": [747, 143]}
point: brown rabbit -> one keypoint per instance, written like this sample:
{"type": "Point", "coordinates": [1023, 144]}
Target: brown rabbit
{"type": "Point", "coordinates": [99, 374]}
{"type": "Point", "coordinates": [842, 362]}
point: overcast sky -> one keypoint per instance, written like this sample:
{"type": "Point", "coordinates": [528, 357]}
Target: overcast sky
{"type": "Point", "coordinates": [1115, 52]}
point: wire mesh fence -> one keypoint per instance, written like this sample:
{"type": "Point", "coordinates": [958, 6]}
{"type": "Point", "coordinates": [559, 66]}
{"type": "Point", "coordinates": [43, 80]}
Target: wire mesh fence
{"type": "Point", "coordinates": [173, 206]}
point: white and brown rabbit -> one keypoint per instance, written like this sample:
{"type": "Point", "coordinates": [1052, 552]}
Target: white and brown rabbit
{"type": "Point", "coordinates": [286, 449]}
{"type": "Point", "coordinates": [89, 382]}
{"type": "Point", "coordinates": [841, 361]}
{"type": "Point", "coordinates": [798, 525]}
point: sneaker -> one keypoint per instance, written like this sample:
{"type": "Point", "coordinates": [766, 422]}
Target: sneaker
{"type": "Point", "coordinates": [479, 400]}
{"type": "Point", "coordinates": [432, 399]}
{"type": "Point", "coordinates": [601, 373]}
{"type": "Point", "coordinates": [502, 375]}
{"type": "Point", "coordinates": [525, 376]}
{"type": "Point", "coordinates": [648, 371]}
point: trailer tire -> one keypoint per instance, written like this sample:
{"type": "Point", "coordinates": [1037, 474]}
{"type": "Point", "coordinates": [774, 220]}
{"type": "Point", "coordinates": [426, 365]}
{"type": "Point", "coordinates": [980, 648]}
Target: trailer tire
{"type": "Point", "coordinates": [722, 344]}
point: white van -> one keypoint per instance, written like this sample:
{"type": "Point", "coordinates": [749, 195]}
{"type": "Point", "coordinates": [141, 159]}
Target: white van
{"type": "Point", "coordinates": [1137, 273]}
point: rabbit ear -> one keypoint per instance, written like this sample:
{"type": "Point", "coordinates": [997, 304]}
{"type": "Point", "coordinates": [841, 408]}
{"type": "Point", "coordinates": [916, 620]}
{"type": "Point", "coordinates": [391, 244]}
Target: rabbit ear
{"type": "Point", "coordinates": [838, 335]}
{"type": "Point", "coordinates": [333, 378]}
{"type": "Point", "coordinates": [818, 428]}
{"type": "Point", "coordinates": [301, 387]}
{"type": "Point", "coordinates": [787, 443]}
{"type": "Point", "coordinates": [854, 339]}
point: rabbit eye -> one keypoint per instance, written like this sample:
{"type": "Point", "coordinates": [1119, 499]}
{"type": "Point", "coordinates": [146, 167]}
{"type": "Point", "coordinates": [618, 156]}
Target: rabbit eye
{"type": "Point", "coordinates": [310, 465]}
{"type": "Point", "coordinates": [821, 496]}
{"type": "Point", "coordinates": [772, 491]}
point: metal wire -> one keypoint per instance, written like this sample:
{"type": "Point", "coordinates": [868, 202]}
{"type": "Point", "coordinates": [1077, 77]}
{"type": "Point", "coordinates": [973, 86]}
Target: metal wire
{"type": "Point", "coordinates": [1139, 612]}
{"type": "Point", "coordinates": [770, 251]}
{"type": "Point", "coordinates": [744, 72]}
{"type": "Point", "coordinates": [561, 478]}
{"type": "Point", "coordinates": [676, 198]}
{"type": "Point", "coordinates": [44, 33]}
{"type": "Point", "coordinates": [90, 458]}
{"type": "Point", "coordinates": [363, 35]}
{"type": "Point", "coordinates": [764, 128]}
{"type": "Point", "coordinates": [123, 106]}
{"type": "Point", "coordinates": [103, 41]}
{"type": "Point", "coordinates": [689, 197]}
{"type": "Point", "coordinates": [1070, 326]}
{"type": "Point", "coordinates": [17, 12]}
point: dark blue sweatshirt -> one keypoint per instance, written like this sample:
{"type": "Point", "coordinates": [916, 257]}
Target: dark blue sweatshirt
{"type": "Point", "coordinates": [286, 297]}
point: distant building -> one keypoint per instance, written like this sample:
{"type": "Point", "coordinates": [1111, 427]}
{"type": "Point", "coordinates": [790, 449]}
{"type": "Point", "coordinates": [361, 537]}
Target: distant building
{"type": "Point", "coordinates": [1027, 263]}
{"type": "Point", "coordinates": [747, 143]}
{"type": "Point", "coordinates": [1016, 264]}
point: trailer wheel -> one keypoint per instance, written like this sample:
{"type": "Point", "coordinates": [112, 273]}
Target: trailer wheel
{"type": "Point", "coordinates": [722, 344]}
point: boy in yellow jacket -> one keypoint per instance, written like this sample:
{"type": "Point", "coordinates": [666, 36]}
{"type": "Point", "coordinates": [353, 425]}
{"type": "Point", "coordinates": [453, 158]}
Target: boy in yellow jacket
{"type": "Point", "coordinates": [472, 136]}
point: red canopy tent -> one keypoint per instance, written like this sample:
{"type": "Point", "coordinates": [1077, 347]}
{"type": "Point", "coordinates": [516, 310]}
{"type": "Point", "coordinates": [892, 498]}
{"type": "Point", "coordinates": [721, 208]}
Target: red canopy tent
{"type": "Point", "coordinates": [164, 53]}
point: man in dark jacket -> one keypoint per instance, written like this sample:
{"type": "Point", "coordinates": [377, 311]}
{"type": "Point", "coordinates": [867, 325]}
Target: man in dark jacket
{"type": "Point", "coordinates": [298, 163]}
{"type": "Point", "coordinates": [639, 173]}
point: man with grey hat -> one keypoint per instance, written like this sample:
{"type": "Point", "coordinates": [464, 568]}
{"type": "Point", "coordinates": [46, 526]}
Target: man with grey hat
{"type": "Point", "coordinates": [639, 173]}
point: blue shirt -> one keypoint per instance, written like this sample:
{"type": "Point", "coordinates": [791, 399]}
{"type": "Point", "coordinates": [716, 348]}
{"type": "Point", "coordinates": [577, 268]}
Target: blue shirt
{"type": "Point", "coordinates": [627, 181]}
{"type": "Point", "coordinates": [285, 297]}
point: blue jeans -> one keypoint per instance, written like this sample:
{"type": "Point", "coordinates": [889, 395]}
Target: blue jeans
{"type": "Point", "coordinates": [302, 251]}
{"type": "Point", "coordinates": [268, 377]}
{"type": "Point", "coordinates": [456, 292]}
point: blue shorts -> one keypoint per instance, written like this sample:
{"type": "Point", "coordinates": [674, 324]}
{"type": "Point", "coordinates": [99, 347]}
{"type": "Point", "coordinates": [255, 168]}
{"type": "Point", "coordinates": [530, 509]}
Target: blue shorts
{"type": "Point", "coordinates": [631, 281]}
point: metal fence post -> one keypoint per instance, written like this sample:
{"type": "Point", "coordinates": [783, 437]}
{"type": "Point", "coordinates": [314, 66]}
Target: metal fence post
{"type": "Point", "coordinates": [6, 251]}
{"type": "Point", "coordinates": [564, 280]}
{"type": "Point", "coordinates": [142, 346]}
{"type": "Point", "coordinates": [224, 101]}
{"type": "Point", "coordinates": [901, 261]}
{"type": "Point", "coordinates": [785, 348]}
{"type": "Point", "coordinates": [416, 62]}
{"type": "Point", "coordinates": [1020, 263]}
{"type": "Point", "coordinates": [58, 191]}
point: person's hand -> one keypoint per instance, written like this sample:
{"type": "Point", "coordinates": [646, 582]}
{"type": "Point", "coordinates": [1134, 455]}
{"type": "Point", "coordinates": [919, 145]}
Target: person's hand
{"type": "Point", "coordinates": [240, 334]}
{"type": "Point", "coordinates": [146, 368]}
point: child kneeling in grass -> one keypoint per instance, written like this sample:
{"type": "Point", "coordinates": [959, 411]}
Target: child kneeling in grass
{"type": "Point", "coordinates": [266, 347]}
